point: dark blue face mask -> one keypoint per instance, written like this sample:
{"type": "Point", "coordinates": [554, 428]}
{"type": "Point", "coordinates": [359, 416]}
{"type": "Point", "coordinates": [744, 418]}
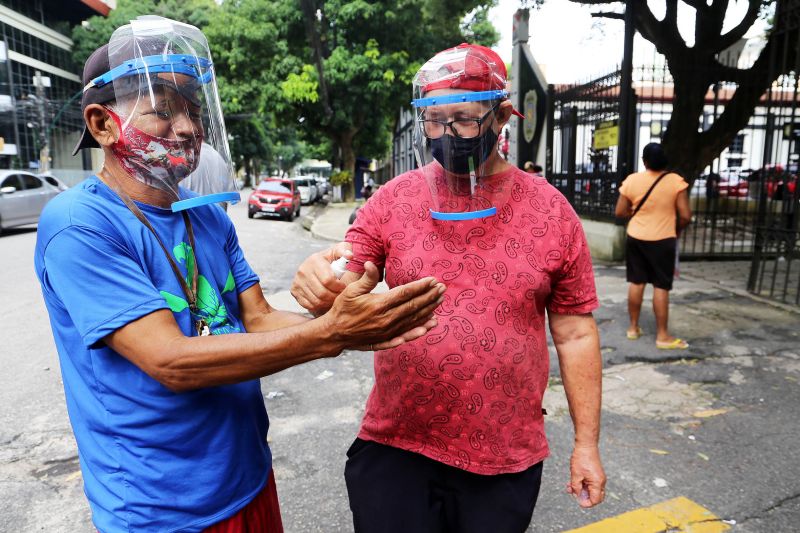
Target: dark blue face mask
{"type": "Point", "coordinates": [455, 153]}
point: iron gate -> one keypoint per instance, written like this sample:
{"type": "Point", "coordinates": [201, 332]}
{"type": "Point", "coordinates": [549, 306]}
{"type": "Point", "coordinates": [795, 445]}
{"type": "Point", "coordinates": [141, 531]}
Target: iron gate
{"type": "Point", "coordinates": [775, 268]}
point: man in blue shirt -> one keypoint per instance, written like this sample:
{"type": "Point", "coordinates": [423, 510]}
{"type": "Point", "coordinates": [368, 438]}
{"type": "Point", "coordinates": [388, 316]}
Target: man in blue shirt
{"type": "Point", "coordinates": [161, 326]}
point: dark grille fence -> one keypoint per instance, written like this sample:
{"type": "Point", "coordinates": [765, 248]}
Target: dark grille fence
{"type": "Point", "coordinates": [724, 197]}
{"type": "Point", "coordinates": [585, 171]}
{"type": "Point", "coordinates": [775, 269]}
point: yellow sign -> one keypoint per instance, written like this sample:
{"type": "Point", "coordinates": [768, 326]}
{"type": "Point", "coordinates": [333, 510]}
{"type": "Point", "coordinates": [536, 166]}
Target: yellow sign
{"type": "Point", "coordinates": [606, 135]}
{"type": "Point", "coordinates": [2, 144]}
{"type": "Point", "coordinates": [678, 515]}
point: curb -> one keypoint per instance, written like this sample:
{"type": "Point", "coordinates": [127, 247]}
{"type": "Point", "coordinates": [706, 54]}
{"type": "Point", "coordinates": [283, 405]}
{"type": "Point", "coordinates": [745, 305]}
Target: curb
{"type": "Point", "coordinates": [324, 237]}
{"type": "Point", "coordinates": [309, 221]}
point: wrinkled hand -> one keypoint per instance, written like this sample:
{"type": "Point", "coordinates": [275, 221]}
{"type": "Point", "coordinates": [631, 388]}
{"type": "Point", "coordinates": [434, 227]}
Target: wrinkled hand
{"type": "Point", "coordinates": [388, 319]}
{"type": "Point", "coordinates": [587, 478]}
{"type": "Point", "coordinates": [315, 287]}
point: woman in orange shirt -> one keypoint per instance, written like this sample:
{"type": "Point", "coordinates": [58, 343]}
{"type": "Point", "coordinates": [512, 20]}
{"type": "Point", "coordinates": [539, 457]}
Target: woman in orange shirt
{"type": "Point", "coordinates": [652, 233]}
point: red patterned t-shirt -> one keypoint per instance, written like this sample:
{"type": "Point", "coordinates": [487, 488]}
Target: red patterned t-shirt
{"type": "Point", "coordinates": [469, 394]}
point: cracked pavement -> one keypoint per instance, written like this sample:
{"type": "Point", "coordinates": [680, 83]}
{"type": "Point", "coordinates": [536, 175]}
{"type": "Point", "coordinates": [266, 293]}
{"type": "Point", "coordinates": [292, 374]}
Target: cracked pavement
{"type": "Point", "coordinates": [716, 423]}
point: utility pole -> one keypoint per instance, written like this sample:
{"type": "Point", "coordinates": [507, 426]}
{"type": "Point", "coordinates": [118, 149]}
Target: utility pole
{"type": "Point", "coordinates": [626, 132]}
{"type": "Point", "coordinates": [41, 102]}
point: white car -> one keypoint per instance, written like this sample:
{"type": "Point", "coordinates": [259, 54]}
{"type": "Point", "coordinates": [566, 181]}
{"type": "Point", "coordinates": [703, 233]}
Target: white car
{"type": "Point", "coordinates": [54, 181]}
{"type": "Point", "coordinates": [22, 197]}
{"type": "Point", "coordinates": [308, 189]}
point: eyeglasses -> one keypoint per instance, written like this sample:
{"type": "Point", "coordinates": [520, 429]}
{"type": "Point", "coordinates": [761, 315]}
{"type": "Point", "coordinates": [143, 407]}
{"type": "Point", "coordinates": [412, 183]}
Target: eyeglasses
{"type": "Point", "coordinates": [463, 128]}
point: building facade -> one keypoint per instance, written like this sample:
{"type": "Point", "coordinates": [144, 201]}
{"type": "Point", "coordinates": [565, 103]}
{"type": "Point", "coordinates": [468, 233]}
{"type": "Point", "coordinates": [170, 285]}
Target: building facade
{"type": "Point", "coordinates": [40, 85]}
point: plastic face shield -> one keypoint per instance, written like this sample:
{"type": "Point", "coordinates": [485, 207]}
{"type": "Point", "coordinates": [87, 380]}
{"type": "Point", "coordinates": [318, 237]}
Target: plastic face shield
{"type": "Point", "coordinates": [454, 136]}
{"type": "Point", "coordinates": [168, 111]}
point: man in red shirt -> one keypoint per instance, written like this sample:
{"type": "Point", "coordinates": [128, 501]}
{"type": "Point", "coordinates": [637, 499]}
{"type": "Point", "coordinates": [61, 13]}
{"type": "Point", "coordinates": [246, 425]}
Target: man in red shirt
{"type": "Point", "coordinates": [453, 434]}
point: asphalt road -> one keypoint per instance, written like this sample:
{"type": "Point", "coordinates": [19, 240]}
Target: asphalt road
{"type": "Point", "coordinates": [717, 424]}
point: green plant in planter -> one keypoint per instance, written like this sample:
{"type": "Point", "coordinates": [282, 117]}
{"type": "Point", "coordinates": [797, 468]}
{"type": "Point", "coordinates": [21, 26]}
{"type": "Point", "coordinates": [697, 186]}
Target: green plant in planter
{"type": "Point", "coordinates": [342, 177]}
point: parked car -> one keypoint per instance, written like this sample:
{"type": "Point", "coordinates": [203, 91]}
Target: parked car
{"type": "Point", "coordinates": [275, 197]}
{"type": "Point", "coordinates": [734, 185]}
{"type": "Point", "coordinates": [22, 198]}
{"type": "Point", "coordinates": [323, 186]}
{"type": "Point", "coordinates": [54, 181]}
{"type": "Point", "coordinates": [780, 183]}
{"type": "Point", "coordinates": [308, 189]}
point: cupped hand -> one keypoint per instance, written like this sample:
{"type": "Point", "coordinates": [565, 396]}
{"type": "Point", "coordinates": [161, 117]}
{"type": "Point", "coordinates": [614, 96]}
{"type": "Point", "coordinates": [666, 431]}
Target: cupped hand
{"type": "Point", "coordinates": [383, 320]}
{"type": "Point", "coordinates": [315, 286]}
{"type": "Point", "coordinates": [587, 477]}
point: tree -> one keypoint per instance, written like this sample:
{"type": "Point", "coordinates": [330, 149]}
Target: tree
{"type": "Point", "coordinates": [357, 61]}
{"type": "Point", "coordinates": [97, 30]}
{"type": "Point", "coordinates": [695, 69]}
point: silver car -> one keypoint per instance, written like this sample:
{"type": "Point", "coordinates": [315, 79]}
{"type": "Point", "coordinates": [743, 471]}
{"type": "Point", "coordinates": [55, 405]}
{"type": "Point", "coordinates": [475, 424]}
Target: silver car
{"type": "Point", "coordinates": [308, 189]}
{"type": "Point", "coordinates": [22, 198]}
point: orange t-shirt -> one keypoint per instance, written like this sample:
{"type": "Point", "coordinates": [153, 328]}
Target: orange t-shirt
{"type": "Point", "coordinates": [657, 217]}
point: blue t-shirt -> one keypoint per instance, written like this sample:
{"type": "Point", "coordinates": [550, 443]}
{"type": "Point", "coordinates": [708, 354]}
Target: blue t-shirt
{"type": "Point", "coordinates": [152, 460]}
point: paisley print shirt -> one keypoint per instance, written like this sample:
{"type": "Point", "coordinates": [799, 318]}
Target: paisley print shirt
{"type": "Point", "coordinates": [469, 393]}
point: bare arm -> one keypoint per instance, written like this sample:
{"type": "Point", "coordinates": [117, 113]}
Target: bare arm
{"type": "Point", "coordinates": [578, 345]}
{"type": "Point", "coordinates": [156, 344]}
{"type": "Point", "coordinates": [684, 211]}
{"type": "Point", "coordinates": [257, 315]}
{"type": "Point", "coordinates": [623, 208]}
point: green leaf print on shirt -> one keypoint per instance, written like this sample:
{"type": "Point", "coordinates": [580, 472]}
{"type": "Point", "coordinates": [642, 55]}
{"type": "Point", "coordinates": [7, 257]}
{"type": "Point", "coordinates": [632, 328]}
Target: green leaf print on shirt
{"type": "Point", "coordinates": [210, 306]}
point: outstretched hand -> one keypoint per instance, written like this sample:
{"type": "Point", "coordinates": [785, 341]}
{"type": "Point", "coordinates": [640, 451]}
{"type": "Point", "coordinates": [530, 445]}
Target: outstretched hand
{"type": "Point", "coordinates": [384, 320]}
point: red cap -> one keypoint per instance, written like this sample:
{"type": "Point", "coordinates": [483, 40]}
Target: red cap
{"type": "Point", "coordinates": [481, 69]}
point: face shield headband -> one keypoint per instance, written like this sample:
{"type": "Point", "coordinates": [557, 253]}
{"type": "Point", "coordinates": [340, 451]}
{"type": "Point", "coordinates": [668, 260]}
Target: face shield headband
{"type": "Point", "coordinates": [197, 67]}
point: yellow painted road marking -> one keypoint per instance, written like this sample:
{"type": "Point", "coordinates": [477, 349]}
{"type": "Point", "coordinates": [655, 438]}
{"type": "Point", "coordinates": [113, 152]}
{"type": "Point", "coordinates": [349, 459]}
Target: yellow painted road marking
{"type": "Point", "coordinates": [678, 515]}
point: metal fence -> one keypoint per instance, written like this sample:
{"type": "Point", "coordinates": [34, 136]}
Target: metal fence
{"type": "Point", "coordinates": [582, 155]}
{"type": "Point", "coordinates": [585, 170]}
{"type": "Point", "coordinates": [775, 268]}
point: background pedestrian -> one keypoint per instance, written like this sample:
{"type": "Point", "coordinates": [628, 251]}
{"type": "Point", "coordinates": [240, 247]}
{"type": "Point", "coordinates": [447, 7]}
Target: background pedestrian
{"type": "Point", "coordinates": [657, 204]}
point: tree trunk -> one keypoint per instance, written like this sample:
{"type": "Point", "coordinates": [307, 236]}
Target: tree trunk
{"type": "Point", "coordinates": [349, 165]}
{"type": "Point", "coordinates": [682, 138]}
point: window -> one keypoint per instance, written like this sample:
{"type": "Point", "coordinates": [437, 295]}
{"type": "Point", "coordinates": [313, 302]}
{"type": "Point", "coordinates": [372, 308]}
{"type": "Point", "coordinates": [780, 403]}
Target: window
{"type": "Point", "coordinates": [31, 182]}
{"type": "Point", "coordinates": [11, 181]}
{"type": "Point", "coordinates": [735, 162]}
{"type": "Point", "coordinates": [281, 187]}
{"type": "Point", "coordinates": [737, 145]}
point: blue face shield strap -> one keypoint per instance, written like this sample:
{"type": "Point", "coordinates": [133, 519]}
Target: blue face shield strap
{"type": "Point", "coordinates": [466, 215]}
{"type": "Point", "coordinates": [232, 197]}
{"type": "Point", "coordinates": [459, 98]}
{"type": "Point", "coordinates": [197, 67]}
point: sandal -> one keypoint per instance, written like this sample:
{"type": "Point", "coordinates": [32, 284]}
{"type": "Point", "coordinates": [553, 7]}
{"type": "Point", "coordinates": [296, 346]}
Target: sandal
{"type": "Point", "coordinates": [677, 344]}
{"type": "Point", "coordinates": [635, 335]}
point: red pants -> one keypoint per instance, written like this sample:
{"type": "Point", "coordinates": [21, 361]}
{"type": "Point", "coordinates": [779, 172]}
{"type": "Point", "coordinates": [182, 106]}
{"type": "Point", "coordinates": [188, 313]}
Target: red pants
{"type": "Point", "coordinates": [262, 515]}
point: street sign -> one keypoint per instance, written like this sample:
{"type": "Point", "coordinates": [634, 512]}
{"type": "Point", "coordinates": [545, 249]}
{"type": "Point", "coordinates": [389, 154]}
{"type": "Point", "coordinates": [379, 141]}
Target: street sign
{"type": "Point", "coordinates": [791, 131]}
{"type": "Point", "coordinates": [606, 135]}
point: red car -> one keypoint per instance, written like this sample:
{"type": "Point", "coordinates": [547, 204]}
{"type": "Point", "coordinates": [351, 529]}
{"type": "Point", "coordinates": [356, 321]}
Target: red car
{"type": "Point", "coordinates": [275, 197]}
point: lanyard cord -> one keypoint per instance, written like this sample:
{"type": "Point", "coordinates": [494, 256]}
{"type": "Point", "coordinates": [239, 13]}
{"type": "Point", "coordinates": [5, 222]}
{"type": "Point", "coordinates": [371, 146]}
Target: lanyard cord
{"type": "Point", "coordinates": [190, 293]}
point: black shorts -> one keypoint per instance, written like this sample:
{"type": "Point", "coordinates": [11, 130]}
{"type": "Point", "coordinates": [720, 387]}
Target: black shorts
{"type": "Point", "coordinates": [650, 262]}
{"type": "Point", "coordinates": [397, 491]}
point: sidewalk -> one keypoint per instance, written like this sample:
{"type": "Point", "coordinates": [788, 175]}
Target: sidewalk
{"type": "Point", "coordinates": [331, 222]}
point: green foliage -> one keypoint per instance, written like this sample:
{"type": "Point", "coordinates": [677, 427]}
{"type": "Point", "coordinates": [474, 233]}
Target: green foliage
{"type": "Point", "coordinates": [96, 31]}
{"type": "Point", "coordinates": [344, 177]}
{"type": "Point", "coordinates": [478, 29]}
{"type": "Point", "coordinates": [303, 87]}
{"type": "Point", "coordinates": [279, 106]}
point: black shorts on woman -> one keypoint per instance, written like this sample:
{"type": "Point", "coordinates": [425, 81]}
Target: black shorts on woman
{"type": "Point", "coordinates": [650, 262]}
